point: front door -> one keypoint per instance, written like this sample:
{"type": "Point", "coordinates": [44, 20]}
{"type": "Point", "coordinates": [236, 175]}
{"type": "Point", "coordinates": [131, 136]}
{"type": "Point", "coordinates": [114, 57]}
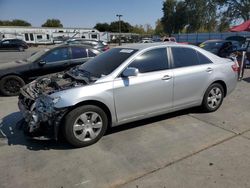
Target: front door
{"type": "Point", "coordinates": [150, 91]}
{"type": "Point", "coordinates": [53, 61]}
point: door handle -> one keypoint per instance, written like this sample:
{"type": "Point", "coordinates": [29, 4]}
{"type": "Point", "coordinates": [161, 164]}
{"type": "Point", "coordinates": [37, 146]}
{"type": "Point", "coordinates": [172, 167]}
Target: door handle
{"type": "Point", "coordinates": [209, 69]}
{"type": "Point", "coordinates": [166, 77]}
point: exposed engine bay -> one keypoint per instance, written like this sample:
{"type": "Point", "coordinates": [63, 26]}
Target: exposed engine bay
{"type": "Point", "coordinates": [36, 104]}
{"type": "Point", "coordinates": [57, 82]}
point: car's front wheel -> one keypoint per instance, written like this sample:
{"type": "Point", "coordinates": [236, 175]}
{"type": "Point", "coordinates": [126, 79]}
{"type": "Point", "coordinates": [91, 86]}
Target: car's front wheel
{"type": "Point", "coordinates": [10, 85]}
{"type": "Point", "coordinates": [213, 97]}
{"type": "Point", "coordinates": [85, 125]}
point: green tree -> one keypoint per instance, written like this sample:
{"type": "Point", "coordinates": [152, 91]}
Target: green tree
{"type": "Point", "coordinates": [139, 29]}
{"type": "Point", "coordinates": [190, 16]}
{"type": "Point", "coordinates": [52, 23]}
{"type": "Point", "coordinates": [149, 29]}
{"type": "Point", "coordinates": [168, 19]}
{"type": "Point", "coordinates": [180, 16]}
{"type": "Point", "coordinates": [15, 22]}
{"type": "Point", "coordinates": [18, 22]}
{"type": "Point", "coordinates": [125, 27]}
{"type": "Point", "coordinates": [201, 15]}
{"type": "Point", "coordinates": [174, 16]}
{"type": "Point", "coordinates": [102, 27]}
{"type": "Point", "coordinates": [159, 30]}
{"type": "Point", "coordinates": [224, 24]}
{"type": "Point", "coordinates": [235, 9]}
{"type": "Point", "coordinates": [5, 23]}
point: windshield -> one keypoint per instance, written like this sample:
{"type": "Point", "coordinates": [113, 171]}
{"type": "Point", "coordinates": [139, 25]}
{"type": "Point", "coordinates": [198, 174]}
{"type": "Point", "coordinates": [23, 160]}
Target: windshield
{"type": "Point", "coordinates": [36, 55]}
{"type": "Point", "coordinates": [212, 46]}
{"type": "Point", "coordinates": [107, 62]}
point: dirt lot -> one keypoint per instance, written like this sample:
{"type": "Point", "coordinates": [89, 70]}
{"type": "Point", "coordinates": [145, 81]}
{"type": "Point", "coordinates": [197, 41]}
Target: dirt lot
{"type": "Point", "coordinates": [183, 149]}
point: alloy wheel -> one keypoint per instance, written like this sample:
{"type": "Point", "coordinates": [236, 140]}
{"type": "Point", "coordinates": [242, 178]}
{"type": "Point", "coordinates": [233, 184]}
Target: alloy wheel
{"type": "Point", "coordinates": [214, 97]}
{"type": "Point", "coordinates": [87, 126]}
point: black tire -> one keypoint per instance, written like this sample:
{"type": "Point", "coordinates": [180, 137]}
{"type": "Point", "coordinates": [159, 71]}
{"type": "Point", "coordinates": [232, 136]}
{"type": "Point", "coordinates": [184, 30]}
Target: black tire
{"type": "Point", "coordinates": [73, 116]}
{"type": "Point", "coordinates": [10, 85]}
{"type": "Point", "coordinates": [207, 103]}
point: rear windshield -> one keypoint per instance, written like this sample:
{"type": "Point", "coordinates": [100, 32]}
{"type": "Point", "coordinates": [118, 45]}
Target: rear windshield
{"type": "Point", "coordinates": [107, 62]}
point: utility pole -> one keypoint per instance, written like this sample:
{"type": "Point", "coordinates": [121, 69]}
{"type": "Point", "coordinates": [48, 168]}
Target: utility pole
{"type": "Point", "coordinates": [119, 17]}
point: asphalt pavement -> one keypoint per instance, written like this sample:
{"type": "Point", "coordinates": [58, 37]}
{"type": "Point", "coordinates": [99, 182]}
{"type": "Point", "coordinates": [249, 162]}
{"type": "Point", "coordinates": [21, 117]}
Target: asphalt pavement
{"type": "Point", "coordinates": [181, 149]}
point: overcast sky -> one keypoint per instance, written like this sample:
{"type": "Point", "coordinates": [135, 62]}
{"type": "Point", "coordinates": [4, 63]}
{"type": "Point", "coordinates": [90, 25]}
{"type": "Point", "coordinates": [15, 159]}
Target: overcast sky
{"type": "Point", "coordinates": [82, 13]}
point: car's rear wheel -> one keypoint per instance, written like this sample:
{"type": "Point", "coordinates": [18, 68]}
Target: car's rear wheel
{"type": "Point", "coordinates": [10, 85]}
{"type": "Point", "coordinates": [85, 125]}
{"type": "Point", "coordinates": [213, 97]}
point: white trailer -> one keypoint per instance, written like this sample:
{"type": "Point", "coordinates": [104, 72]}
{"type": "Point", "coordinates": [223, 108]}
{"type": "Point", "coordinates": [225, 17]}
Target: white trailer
{"type": "Point", "coordinates": [46, 35]}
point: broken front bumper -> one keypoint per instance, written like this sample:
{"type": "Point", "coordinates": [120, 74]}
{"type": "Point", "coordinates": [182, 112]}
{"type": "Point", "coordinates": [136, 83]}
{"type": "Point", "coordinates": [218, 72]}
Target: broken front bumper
{"type": "Point", "coordinates": [40, 115]}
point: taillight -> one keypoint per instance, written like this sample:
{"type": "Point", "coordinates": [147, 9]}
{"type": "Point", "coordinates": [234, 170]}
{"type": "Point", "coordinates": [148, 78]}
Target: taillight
{"type": "Point", "coordinates": [106, 48]}
{"type": "Point", "coordinates": [235, 67]}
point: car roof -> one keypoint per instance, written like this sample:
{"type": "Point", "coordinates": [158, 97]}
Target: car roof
{"type": "Point", "coordinates": [141, 46]}
{"type": "Point", "coordinates": [11, 39]}
{"type": "Point", "coordinates": [76, 45]}
{"type": "Point", "coordinates": [83, 39]}
{"type": "Point", "coordinates": [145, 46]}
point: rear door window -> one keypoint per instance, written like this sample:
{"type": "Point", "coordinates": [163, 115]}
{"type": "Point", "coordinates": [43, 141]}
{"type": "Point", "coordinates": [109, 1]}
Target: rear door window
{"type": "Point", "coordinates": [203, 59]}
{"type": "Point", "coordinates": [150, 61]}
{"type": "Point", "coordinates": [184, 57]}
{"type": "Point", "coordinates": [78, 53]}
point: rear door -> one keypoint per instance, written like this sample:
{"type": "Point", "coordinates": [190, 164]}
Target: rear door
{"type": "Point", "coordinates": [79, 56]}
{"type": "Point", "coordinates": [192, 74]}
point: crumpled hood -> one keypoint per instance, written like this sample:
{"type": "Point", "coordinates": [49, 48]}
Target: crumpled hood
{"type": "Point", "coordinates": [52, 83]}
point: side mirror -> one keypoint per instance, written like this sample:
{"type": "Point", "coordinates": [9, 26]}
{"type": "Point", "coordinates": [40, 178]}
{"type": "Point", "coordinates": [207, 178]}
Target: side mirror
{"type": "Point", "coordinates": [130, 71]}
{"type": "Point", "coordinates": [42, 62]}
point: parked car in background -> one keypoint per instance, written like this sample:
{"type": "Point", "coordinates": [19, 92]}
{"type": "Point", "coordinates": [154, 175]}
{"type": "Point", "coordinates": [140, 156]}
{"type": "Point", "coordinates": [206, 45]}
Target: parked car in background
{"type": "Point", "coordinates": [222, 48]}
{"type": "Point", "coordinates": [240, 39]}
{"type": "Point", "coordinates": [13, 44]}
{"type": "Point", "coordinates": [125, 84]}
{"type": "Point", "coordinates": [157, 39]}
{"type": "Point", "coordinates": [146, 40]}
{"type": "Point", "coordinates": [169, 39]}
{"type": "Point", "coordinates": [96, 44]}
{"type": "Point", "coordinates": [14, 75]}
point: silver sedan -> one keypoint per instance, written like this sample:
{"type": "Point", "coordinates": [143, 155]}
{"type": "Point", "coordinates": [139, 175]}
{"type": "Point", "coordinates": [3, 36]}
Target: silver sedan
{"type": "Point", "coordinates": [125, 84]}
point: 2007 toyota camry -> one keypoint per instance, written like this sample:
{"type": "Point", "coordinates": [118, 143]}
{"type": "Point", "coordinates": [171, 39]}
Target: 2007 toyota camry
{"type": "Point", "coordinates": [122, 85]}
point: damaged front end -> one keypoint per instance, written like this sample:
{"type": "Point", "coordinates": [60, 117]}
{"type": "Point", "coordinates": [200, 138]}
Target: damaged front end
{"type": "Point", "coordinates": [38, 106]}
{"type": "Point", "coordinates": [40, 115]}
